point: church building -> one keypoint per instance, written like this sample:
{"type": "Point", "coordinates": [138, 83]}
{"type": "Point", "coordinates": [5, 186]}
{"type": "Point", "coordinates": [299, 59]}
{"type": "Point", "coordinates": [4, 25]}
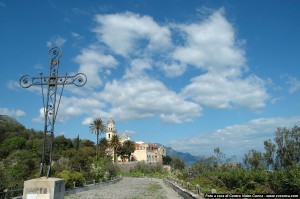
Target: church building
{"type": "Point", "coordinates": [110, 132]}
{"type": "Point", "coordinates": [111, 129]}
{"type": "Point", "coordinates": [148, 152]}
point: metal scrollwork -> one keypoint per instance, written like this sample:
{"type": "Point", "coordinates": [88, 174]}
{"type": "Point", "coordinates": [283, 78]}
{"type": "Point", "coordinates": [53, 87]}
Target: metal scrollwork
{"type": "Point", "coordinates": [78, 79]}
{"type": "Point", "coordinates": [25, 81]}
{"type": "Point", "coordinates": [52, 81]}
{"type": "Point", "coordinates": [55, 53]}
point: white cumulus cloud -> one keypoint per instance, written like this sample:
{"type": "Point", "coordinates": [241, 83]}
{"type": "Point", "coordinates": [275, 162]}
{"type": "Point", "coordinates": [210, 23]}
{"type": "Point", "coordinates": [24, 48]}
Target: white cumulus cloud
{"type": "Point", "coordinates": [93, 62]}
{"type": "Point", "coordinates": [140, 98]}
{"type": "Point", "coordinates": [142, 48]}
{"type": "Point", "coordinates": [12, 112]}
{"type": "Point", "coordinates": [127, 33]}
{"type": "Point", "coordinates": [294, 83]}
{"type": "Point", "coordinates": [219, 91]}
{"type": "Point", "coordinates": [211, 45]}
{"type": "Point", "coordinates": [73, 107]}
{"type": "Point", "coordinates": [56, 41]}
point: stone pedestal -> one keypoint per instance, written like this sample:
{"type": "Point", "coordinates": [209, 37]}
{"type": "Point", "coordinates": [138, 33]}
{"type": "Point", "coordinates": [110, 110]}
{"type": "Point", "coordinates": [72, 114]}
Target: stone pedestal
{"type": "Point", "coordinates": [44, 188]}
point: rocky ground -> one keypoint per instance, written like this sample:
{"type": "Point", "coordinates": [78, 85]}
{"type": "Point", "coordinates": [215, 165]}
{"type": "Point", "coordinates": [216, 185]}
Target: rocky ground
{"type": "Point", "coordinates": [129, 188]}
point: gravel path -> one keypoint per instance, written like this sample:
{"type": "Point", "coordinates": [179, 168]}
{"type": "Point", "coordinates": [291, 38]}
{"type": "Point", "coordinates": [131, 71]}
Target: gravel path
{"type": "Point", "coordinates": [129, 188]}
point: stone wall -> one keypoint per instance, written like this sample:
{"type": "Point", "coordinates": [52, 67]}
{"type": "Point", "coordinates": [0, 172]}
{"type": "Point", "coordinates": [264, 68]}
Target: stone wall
{"type": "Point", "coordinates": [126, 166]}
{"type": "Point", "coordinates": [186, 194]}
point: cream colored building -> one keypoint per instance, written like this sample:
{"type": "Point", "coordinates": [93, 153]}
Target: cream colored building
{"type": "Point", "coordinates": [110, 132]}
{"type": "Point", "coordinates": [147, 152]}
{"type": "Point", "coordinates": [111, 129]}
{"type": "Point", "coordinates": [124, 137]}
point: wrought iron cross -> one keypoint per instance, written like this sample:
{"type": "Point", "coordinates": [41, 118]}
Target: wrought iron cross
{"type": "Point", "coordinates": [50, 110]}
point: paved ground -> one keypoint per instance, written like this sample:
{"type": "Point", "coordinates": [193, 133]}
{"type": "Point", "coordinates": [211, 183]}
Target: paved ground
{"type": "Point", "coordinates": [130, 188]}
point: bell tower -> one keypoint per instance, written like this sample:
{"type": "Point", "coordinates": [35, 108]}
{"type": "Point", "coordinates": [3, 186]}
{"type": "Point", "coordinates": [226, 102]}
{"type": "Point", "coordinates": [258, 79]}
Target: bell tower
{"type": "Point", "coordinates": [111, 130]}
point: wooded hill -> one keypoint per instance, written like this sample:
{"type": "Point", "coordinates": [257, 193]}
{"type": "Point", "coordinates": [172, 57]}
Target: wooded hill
{"type": "Point", "coordinates": [274, 170]}
{"type": "Point", "coordinates": [20, 157]}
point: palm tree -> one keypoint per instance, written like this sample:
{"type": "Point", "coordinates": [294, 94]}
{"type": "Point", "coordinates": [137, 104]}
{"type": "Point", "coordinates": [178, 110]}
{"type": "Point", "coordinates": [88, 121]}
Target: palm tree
{"type": "Point", "coordinates": [121, 152]}
{"type": "Point", "coordinates": [115, 144]}
{"type": "Point", "coordinates": [129, 147]}
{"type": "Point", "coordinates": [97, 126]}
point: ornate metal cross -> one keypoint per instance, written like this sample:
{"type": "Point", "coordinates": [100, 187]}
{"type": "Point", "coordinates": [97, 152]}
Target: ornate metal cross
{"type": "Point", "coordinates": [50, 110]}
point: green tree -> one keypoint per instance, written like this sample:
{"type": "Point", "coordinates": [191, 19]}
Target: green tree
{"type": "Point", "coordinates": [178, 163]}
{"type": "Point", "coordinates": [89, 151]}
{"type": "Point", "coordinates": [80, 160]}
{"type": "Point", "coordinates": [219, 154]}
{"type": "Point", "coordinates": [62, 163]}
{"type": "Point", "coordinates": [115, 144]}
{"type": "Point", "coordinates": [87, 143]}
{"type": "Point", "coordinates": [33, 145]}
{"type": "Point", "coordinates": [129, 148]}
{"type": "Point", "coordinates": [269, 154]}
{"type": "Point", "coordinates": [61, 143]}
{"type": "Point", "coordinates": [14, 143]}
{"type": "Point", "coordinates": [97, 126]}
{"type": "Point", "coordinates": [103, 145]}
{"type": "Point", "coordinates": [288, 146]}
{"type": "Point", "coordinates": [286, 180]}
{"type": "Point", "coordinates": [167, 160]}
{"type": "Point", "coordinates": [21, 165]}
{"type": "Point", "coordinates": [254, 160]}
{"type": "Point", "coordinates": [121, 152]}
{"type": "Point", "coordinates": [104, 167]}
{"type": "Point", "coordinates": [77, 143]}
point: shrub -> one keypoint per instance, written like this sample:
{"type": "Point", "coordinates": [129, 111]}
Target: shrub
{"type": "Point", "coordinates": [104, 169]}
{"type": "Point", "coordinates": [71, 177]}
{"type": "Point", "coordinates": [286, 181]}
{"type": "Point", "coordinates": [158, 175]}
{"type": "Point", "coordinates": [146, 169]}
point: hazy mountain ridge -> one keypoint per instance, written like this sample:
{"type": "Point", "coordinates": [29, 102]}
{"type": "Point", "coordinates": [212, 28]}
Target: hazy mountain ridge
{"type": "Point", "coordinates": [187, 157]}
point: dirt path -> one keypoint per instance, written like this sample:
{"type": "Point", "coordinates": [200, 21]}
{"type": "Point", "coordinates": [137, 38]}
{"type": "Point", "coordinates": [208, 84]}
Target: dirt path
{"type": "Point", "coordinates": [129, 188]}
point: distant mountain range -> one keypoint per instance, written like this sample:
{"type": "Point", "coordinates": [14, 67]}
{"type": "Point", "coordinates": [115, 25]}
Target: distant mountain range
{"type": "Point", "coordinates": [187, 157]}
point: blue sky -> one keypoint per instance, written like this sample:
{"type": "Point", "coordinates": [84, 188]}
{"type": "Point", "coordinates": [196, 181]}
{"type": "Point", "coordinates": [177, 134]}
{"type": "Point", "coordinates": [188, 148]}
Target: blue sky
{"type": "Point", "coordinates": [193, 75]}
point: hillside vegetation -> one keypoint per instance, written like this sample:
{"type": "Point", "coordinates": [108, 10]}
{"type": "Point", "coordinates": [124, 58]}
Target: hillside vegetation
{"type": "Point", "coordinates": [274, 170]}
{"type": "Point", "coordinates": [74, 159]}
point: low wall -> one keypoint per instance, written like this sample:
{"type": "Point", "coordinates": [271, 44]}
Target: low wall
{"type": "Point", "coordinates": [126, 166]}
{"type": "Point", "coordinates": [92, 186]}
{"type": "Point", "coordinates": [186, 194]}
